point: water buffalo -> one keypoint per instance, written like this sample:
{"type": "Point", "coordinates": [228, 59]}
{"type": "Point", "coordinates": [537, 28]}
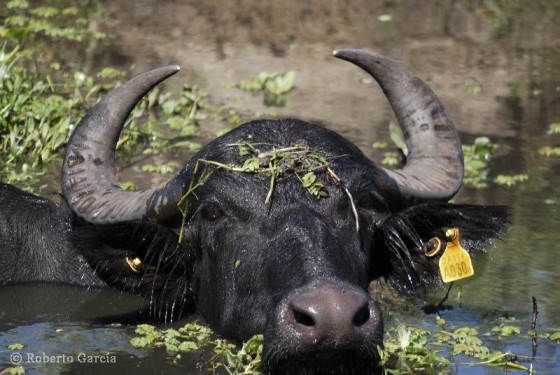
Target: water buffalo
{"type": "Point", "coordinates": [276, 227]}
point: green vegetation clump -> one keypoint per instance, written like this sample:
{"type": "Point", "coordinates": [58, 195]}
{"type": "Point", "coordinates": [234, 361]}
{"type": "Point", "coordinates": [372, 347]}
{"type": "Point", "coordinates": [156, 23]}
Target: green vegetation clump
{"type": "Point", "coordinates": [510, 180]}
{"type": "Point", "coordinates": [297, 160]}
{"type": "Point", "coordinates": [191, 337]}
{"type": "Point", "coordinates": [407, 349]}
{"type": "Point", "coordinates": [65, 21]}
{"type": "Point", "coordinates": [15, 346]}
{"type": "Point", "coordinates": [414, 350]}
{"type": "Point", "coordinates": [501, 14]}
{"type": "Point", "coordinates": [37, 116]}
{"type": "Point", "coordinates": [551, 151]}
{"type": "Point", "coordinates": [477, 157]}
{"type": "Point", "coordinates": [40, 105]}
{"type": "Point", "coordinates": [391, 158]}
{"type": "Point", "coordinates": [554, 128]}
{"type": "Point", "coordinates": [195, 337]}
{"type": "Point", "coordinates": [275, 86]}
{"type": "Point", "coordinates": [13, 370]}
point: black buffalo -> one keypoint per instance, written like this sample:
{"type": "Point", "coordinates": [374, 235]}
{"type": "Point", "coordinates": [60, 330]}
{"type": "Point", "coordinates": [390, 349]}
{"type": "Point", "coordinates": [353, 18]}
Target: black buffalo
{"type": "Point", "coordinates": [257, 251]}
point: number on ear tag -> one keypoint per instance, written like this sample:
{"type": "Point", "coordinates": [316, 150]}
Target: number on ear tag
{"type": "Point", "coordinates": [455, 263]}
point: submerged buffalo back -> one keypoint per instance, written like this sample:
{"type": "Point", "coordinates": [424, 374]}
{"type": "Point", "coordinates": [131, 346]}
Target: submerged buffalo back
{"type": "Point", "coordinates": [34, 243]}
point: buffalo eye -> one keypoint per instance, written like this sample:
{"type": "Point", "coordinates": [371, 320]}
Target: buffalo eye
{"type": "Point", "coordinates": [212, 212]}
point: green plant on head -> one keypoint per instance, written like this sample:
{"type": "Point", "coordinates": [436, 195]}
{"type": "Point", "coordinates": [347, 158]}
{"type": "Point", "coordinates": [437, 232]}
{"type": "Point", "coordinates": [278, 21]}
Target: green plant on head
{"type": "Point", "coordinates": [298, 160]}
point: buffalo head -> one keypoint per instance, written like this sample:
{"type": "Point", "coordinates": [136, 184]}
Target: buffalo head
{"type": "Point", "coordinates": [254, 249]}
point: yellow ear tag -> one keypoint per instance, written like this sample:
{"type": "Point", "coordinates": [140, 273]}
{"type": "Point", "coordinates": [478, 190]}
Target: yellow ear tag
{"type": "Point", "coordinates": [134, 264]}
{"type": "Point", "coordinates": [455, 263]}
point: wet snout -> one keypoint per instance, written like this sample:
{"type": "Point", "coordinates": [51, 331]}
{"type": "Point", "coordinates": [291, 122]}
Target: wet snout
{"type": "Point", "coordinates": [337, 316]}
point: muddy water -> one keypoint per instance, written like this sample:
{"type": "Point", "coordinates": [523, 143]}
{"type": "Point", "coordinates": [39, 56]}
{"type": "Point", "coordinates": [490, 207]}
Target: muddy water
{"type": "Point", "coordinates": [496, 65]}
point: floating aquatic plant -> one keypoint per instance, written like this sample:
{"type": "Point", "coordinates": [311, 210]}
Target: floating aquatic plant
{"type": "Point", "coordinates": [275, 86]}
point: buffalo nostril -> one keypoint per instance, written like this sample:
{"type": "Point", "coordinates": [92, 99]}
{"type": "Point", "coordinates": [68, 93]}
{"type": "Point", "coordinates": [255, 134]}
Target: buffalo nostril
{"type": "Point", "coordinates": [303, 318]}
{"type": "Point", "coordinates": [361, 317]}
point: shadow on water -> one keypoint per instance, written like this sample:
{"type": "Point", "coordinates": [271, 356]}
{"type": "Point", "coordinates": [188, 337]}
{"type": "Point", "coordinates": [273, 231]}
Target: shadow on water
{"type": "Point", "coordinates": [495, 64]}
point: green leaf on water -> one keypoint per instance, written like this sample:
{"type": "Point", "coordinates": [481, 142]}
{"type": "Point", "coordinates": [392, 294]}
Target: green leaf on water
{"type": "Point", "coordinates": [188, 346]}
{"type": "Point", "coordinates": [506, 330]}
{"type": "Point", "coordinates": [549, 151]}
{"type": "Point", "coordinates": [510, 180]}
{"type": "Point", "coordinates": [15, 370]}
{"type": "Point", "coordinates": [139, 342]}
{"type": "Point", "coordinates": [554, 128]}
{"type": "Point", "coordinates": [145, 329]}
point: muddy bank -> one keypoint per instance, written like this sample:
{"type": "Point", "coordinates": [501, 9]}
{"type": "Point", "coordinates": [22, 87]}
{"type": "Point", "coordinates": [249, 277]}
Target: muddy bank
{"type": "Point", "coordinates": [484, 61]}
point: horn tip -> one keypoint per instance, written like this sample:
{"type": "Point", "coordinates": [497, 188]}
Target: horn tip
{"type": "Point", "coordinates": [339, 52]}
{"type": "Point", "coordinates": [336, 52]}
{"type": "Point", "coordinates": [359, 57]}
{"type": "Point", "coordinates": [346, 53]}
{"type": "Point", "coordinates": [173, 68]}
{"type": "Point", "coordinates": [166, 71]}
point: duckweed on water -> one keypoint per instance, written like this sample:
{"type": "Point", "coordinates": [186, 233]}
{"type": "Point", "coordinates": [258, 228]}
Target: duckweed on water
{"type": "Point", "coordinates": [477, 158]}
{"type": "Point", "coordinates": [510, 180]}
{"type": "Point", "coordinates": [391, 158]}
{"type": "Point", "coordinates": [408, 349]}
{"type": "Point", "coordinates": [191, 337]}
{"type": "Point", "coordinates": [554, 128]}
{"type": "Point", "coordinates": [15, 346]}
{"type": "Point", "coordinates": [14, 370]}
{"type": "Point", "coordinates": [194, 337]}
{"type": "Point", "coordinates": [413, 350]}
{"type": "Point", "coordinates": [549, 151]}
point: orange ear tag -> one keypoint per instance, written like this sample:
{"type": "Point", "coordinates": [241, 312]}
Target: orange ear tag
{"type": "Point", "coordinates": [455, 263]}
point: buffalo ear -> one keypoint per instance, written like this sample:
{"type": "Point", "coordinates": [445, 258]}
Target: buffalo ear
{"type": "Point", "coordinates": [399, 248]}
{"type": "Point", "coordinates": [130, 256]}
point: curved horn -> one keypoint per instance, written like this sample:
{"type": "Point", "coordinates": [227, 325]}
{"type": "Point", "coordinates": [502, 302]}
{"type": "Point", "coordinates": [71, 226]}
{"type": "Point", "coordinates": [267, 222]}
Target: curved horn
{"type": "Point", "coordinates": [88, 173]}
{"type": "Point", "coordinates": [434, 167]}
